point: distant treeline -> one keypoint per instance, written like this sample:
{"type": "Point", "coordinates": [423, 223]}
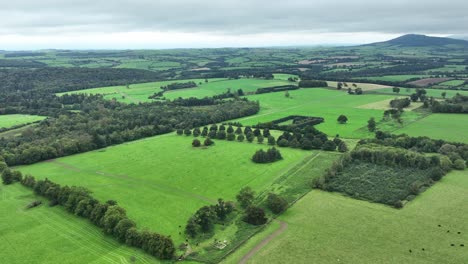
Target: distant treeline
{"type": "Point", "coordinates": [17, 63]}
{"type": "Point", "coordinates": [70, 79]}
{"type": "Point", "coordinates": [458, 104]}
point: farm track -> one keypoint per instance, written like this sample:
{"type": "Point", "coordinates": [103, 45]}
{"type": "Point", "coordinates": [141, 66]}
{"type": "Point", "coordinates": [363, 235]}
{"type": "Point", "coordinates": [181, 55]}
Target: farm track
{"type": "Point", "coordinates": [264, 242]}
{"type": "Point", "coordinates": [160, 186]}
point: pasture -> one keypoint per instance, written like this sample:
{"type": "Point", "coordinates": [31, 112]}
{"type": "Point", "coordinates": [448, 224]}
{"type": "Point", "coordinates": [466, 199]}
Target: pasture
{"type": "Point", "coordinates": [163, 180]}
{"type": "Point", "coordinates": [394, 78]}
{"type": "Point", "coordinates": [136, 93]}
{"type": "Point", "coordinates": [436, 93]}
{"type": "Point", "coordinates": [450, 127]}
{"type": "Point", "coordinates": [52, 235]}
{"type": "Point", "coordinates": [330, 228]}
{"type": "Point", "coordinates": [8, 121]}
{"type": "Point", "coordinates": [325, 103]}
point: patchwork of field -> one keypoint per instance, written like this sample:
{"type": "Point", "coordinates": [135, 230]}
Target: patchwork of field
{"type": "Point", "coordinates": [7, 121]}
{"type": "Point", "coordinates": [451, 127]}
{"type": "Point", "coordinates": [136, 93]}
{"type": "Point", "coordinates": [437, 93]}
{"type": "Point", "coordinates": [395, 78]}
{"type": "Point", "coordinates": [363, 86]}
{"type": "Point", "coordinates": [162, 181]}
{"type": "Point", "coordinates": [321, 102]}
{"type": "Point", "coordinates": [52, 235]}
{"type": "Point", "coordinates": [330, 228]}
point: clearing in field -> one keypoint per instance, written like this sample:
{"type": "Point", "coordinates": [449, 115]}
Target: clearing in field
{"type": "Point", "coordinates": [51, 235]}
{"type": "Point", "coordinates": [157, 194]}
{"type": "Point", "coordinates": [8, 121]}
{"type": "Point", "coordinates": [437, 126]}
{"type": "Point", "coordinates": [334, 228]}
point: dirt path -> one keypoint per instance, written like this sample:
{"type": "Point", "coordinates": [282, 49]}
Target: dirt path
{"type": "Point", "coordinates": [264, 242]}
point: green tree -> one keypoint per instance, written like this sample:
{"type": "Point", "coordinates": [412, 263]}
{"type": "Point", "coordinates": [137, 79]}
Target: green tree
{"type": "Point", "coordinates": [371, 124]}
{"type": "Point", "coordinates": [187, 132]}
{"type": "Point", "coordinates": [255, 216]}
{"type": "Point", "coordinates": [240, 138]}
{"type": "Point", "coordinates": [342, 119]}
{"type": "Point", "coordinates": [120, 230]}
{"type": "Point", "coordinates": [7, 177]}
{"type": "Point", "coordinates": [245, 197]}
{"type": "Point", "coordinates": [276, 203]}
{"type": "Point", "coordinates": [260, 139]}
{"type": "Point", "coordinates": [329, 146]}
{"type": "Point", "coordinates": [208, 142]}
{"type": "Point", "coordinates": [196, 143]}
{"type": "Point", "coordinates": [271, 140]}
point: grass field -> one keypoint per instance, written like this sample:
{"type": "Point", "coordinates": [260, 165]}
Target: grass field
{"type": "Point", "coordinates": [451, 127]}
{"type": "Point", "coordinates": [323, 103]}
{"type": "Point", "coordinates": [52, 235]}
{"type": "Point", "coordinates": [437, 93]}
{"type": "Point", "coordinates": [140, 92]}
{"type": "Point", "coordinates": [162, 181]}
{"type": "Point", "coordinates": [453, 83]}
{"type": "Point", "coordinates": [7, 121]}
{"type": "Point", "coordinates": [395, 78]}
{"type": "Point", "coordinates": [363, 86]}
{"type": "Point", "coordinates": [330, 228]}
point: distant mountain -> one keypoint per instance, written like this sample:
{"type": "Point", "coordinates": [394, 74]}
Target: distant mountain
{"type": "Point", "coordinates": [413, 40]}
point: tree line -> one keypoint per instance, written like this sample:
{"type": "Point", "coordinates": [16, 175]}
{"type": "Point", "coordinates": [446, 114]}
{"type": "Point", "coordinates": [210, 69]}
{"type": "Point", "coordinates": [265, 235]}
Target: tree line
{"type": "Point", "coordinates": [110, 217]}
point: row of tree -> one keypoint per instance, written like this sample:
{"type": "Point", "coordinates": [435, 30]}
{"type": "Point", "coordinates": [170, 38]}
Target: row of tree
{"type": "Point", "coordinates": [108, 216]}
{"type": "Point", "coordinates": [205, 218]}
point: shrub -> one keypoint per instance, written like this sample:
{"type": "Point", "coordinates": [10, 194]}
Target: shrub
{"type": "Point", "coordinates": [196, 143]}
{"type": "Point", "coordinates": [459, 164]}
{"type": "Point", "coordinates": [208, 142]}
{"type": "Point", "coordinates": [240, 138]}
{"type": "Point", "coordinates": [231, 137]}
{"type": "Point", "coordinates": [342, 147]}
{"type": "Point", "coordinates": [283, 143]}
{"type": "Point", "coordinates": [245, 197]}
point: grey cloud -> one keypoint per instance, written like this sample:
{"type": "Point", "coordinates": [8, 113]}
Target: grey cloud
{"type": "Point", "coordinates": [234, 17]}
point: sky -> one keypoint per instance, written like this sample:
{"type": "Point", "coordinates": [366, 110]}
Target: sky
{"type": "Point", "coordinates": [161, 24]}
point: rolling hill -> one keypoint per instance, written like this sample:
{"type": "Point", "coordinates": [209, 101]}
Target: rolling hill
{"type": "Point", "coordinates": [414, 40]}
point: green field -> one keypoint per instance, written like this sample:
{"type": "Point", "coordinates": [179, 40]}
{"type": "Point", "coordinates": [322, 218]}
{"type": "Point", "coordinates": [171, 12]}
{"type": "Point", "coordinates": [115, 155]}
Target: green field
{"type": "Point", "coordinates": [437, 93]}
{"type": "Point", "coordinates": [52, 235]}
{"type": "Point", "coordinates": [394, 78]}
{"type": "Point", "coordinates": [330, 228]}
{"type": "Point", "coordinates": [452, 83]}
{"type": "Point", "coordinates": [451, 127]}
{"type": "Point", "coordinates": [322, 103]}
{"type": "Point", "coordinates": [7, 121]}
{"type": "Point", "coordinates": [162, 181]}
{"type": "Point", "coordinates": [140, 92]}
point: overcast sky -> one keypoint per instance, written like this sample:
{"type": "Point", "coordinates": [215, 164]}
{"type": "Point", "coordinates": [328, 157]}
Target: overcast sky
{"type": "Point", "coordinates": [121, 24]}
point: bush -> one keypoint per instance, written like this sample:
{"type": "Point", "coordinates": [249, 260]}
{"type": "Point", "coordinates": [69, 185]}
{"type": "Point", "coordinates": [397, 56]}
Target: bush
{"type": "Point", "coordinates": [245, 197]}
{"type": "Point", "coordinates": [208, 142]}
{"type": "Point", "coordinates": [196, 143]}
{"type": "Point", "coordinates": [255, 216]}
{"type": "Point", "coordinates": [436, 174]}
{"type": "Point", "coordinates": [283, 143]}
{"type": "Point", "coordinates": [33, 204]}
{"type": "Point", "coordinates": [342, 147]}
{"type": "Point", "coordinates": [459, 164]}
{"type": "Point", "coordinates": [231, 137]}
{"type": "Point", "coordinates": [276, 203]}
{"type": "Point", "coordinates": [240, 138]}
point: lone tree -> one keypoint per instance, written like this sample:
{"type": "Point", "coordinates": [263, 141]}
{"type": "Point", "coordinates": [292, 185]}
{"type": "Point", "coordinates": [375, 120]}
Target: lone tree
{"type": "Point", "coordinates": [371, 124]}
{"type": "Point", "coordinates": [342, 119]}
{"type": "Point", "coordinates": [396, 90]}
{"type": "Point", "coordinates": [255, 216]}
{"type": "Point", "coordinates": [245, 197]}
{"type": "Point", "coordinates": [443, 94]}
{"type": "Point", "coordinates": [196, 143]}
{"type": "Point", "coordinates": [339, 86]}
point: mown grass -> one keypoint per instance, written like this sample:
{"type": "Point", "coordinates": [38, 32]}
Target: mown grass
{"type": "Point", "coordinates": [52, 235]}
{"type": "Point", "coordinates": [394, 78]}
{"type": "Point", "coordinates": [450, 127]}
{"type": "Point", "coordinates": [162, 181]}
{"type": "Point", "coordinates": [330, 228]}
{"type": "Point", "coordinates": [7, 121]}
{"type": "Point", "coordinates": [437, 93]}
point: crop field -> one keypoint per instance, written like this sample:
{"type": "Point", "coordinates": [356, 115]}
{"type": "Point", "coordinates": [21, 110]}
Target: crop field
{"type": "Point", "coordinates": [325, 103]}
{"type": "Point", "coordinates": [7, 121]}
{"type": "Point", "coordinates": [140, 173]}
{"type": "Point", "coordinates": [52, 235]}
{"type": "Point", "coordinates": [330, 228]}
{"type": "Point", "coordinates": [451, 127]}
